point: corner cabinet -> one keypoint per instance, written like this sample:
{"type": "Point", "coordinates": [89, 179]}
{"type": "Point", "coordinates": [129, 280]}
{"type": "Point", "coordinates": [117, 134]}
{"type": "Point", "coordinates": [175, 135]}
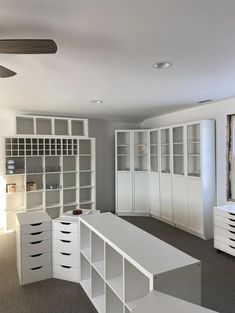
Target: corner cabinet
{"type": "Point", "coordinates": [132, 155]}
{"type": "Point", "coordinates": [179, 176]}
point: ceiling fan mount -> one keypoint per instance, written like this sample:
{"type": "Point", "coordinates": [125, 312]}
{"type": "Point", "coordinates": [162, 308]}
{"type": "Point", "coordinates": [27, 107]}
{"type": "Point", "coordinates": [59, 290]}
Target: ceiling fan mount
{"type": "Point", "coordinates": [24, 46]}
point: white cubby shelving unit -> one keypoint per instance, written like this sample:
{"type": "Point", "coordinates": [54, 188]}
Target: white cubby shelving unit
{"type": "Point", "coordinates": [177, 185]}
{"type": "Point", "coordinates": [61, 169]}
{"type": "Point", "coordinates": [118, 268]}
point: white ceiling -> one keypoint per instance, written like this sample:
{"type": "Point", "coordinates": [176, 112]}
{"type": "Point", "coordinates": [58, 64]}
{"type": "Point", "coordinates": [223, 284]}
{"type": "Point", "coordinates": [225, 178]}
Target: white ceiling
{"type": "Point", "coordinates": [106, 49]}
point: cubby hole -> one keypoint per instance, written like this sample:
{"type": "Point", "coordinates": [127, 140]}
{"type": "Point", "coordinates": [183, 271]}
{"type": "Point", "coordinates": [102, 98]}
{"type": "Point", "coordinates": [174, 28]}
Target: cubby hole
{"type": "Point", "coordinates": [69, 180]}
{"type": "Point", "coordinates": [69, 163]}
{"type": "Point", "coordinates": [97, 256]}
{"type": "Point", "coordinates": [34, 182]}
{"type": "Point", "coordinates": [77, 128]}
{"type": "Point", "coordinates": [67, 208]}
{"type": "Point", "coordinates": [52, 198]}
{"type": "Point", "coordinates": [87, 206]}
{"type": "Point", "coordinates": [85, 275]}
{"type": "Point", "coordinates": [69, 196]}
{"type": "Point", "coordinates": [97, 291]}
{"type": "Point", "coordinates": [136, 285]}
{"type": "Point", "coordinates": [43, 126]}
{"type": "Point", "coordinates": [85, 146]}
{"type": "Point", "coordinates": [17, 180]}
{"type": "Point", "coordinates": [34, 201]}
{"type": "Point", "coordinates": [15, 165]}
{"type": "Point", "coordinates": [53, 212]}
{"type": "Point", "coordinates": [24, 125]}
{"type": "Point", "coordinates": [85, 179]}
{"type": "Point", "coordinates": [34, 165]}
{"type": "Point", "coordinates": [85, 195]}
{"type": "Point", "coordinates": [15, 202]}
{"type": "Point", "coordinates": [113, 303]}
{"type": "Point", "coordinates": [53, 181]}
{"type": "Point", "coordinates": [52, 164]}
{"type": "Point", "coordinates": [61, 127]}
{"type": "Point", "coordinates": [114, 270]}
{"type": "Point", "coordinates": [85, 241]}
{"type": "Point", "coordinates": [85, 163]}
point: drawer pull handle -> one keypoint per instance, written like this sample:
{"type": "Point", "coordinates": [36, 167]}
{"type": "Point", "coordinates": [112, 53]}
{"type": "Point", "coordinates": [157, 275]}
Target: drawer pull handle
{"type": "Point", "coordinates": [67, 241]}
{"type": "Point", "coordinates": [65, 232]}
{"type": "Point", "coordinates": [232, 226]}
{"type": "Point", "coordinates": [63, 253]}
{"type": "Point", "coordinates": [35, 242]}
{"type": "Point", "coordinates": [232, 247]}
{"type": "Point", "coordinates": [233, 214]}
{"type": "Point", "coordinates": [64, 223]}
{"type": "Point", "coordinates": [231, 220]}
{"type": "Point", "coordinates": [231, 239]}
{"type": "Point", "coordinates": [35, 255]}
{"type": "Point", "coordinates": [36, 224]}
{"type": "Point", "coordinates": [38, 233]}
{"type": "Point", "coordinates": [65, 266]}
{"type": "Point", "coordinates": [232, 232]}
{"type": "Point", "coordinates": [36, 268]}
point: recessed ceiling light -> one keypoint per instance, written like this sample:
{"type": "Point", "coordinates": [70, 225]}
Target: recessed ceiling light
{"type": "Point", "coordinates": [204, 101]}
{"type": "Point", "coordinates": [162, 65]}
{"type": "Point", "coordinates": [96, 101]}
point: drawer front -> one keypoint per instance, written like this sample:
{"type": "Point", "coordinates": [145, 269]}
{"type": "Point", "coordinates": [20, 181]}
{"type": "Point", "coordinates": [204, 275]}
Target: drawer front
{"type": "Point", "coordinates": [228, 240]}
{"type": "Point", "coordinates": [222, 219]}
{"type": "Point", "coordinates": [66, 273]}
{"type": "Point", "coordinates": [36, 260]}
{"type": "Point", "coordinates": [223, 225]}
{"type": "Point", "coordinates": [224, 232]}
{"type": "Point", "coordinates": [37, 227]}
{"type": "Point", "coordinates": [65, 235]}
{"type": "Point", "coordinates": [224, 247]}
{"type": "Point", "coordinates": [36, 274]}
{"type": "Point", "coordinates": [36, 236]}
{"type": "Point", "coordinates": [65, 226]}
{"type": "Point", "coordinates": [62, 258]}
{"type": "Point", "coordinates": [36, 247]}
{"type": "Point", "coordinates": [65, 246]}
{"type": "Point", "coordinates": [224, 213]}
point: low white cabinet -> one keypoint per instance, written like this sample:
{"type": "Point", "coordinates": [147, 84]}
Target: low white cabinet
{"type": "Point", "coordinates": [224, 228]}
{"type": "Point", "coordinates": [159, 302]}
{"type": "Point", "coordinates": [33, 244]}
{"type": "Point", "coordinates": [121, 264]}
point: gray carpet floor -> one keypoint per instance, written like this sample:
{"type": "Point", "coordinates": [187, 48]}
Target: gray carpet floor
{"type": "Point", "coordinates": [57, 296]}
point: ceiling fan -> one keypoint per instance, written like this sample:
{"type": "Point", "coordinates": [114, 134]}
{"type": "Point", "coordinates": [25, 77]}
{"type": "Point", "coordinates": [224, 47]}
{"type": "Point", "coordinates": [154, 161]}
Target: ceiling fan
{"type": "Point", "coordinates": [24, 46]}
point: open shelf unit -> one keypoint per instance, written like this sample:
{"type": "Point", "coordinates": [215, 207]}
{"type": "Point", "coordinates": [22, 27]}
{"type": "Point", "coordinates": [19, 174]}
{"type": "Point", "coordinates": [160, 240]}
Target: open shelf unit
{"type": "Point", "coordinates": [48, 125]}
{"type": "Point", "coordinates": [51, 174]}
{"type": "Point", "coordinates": [112, 277]}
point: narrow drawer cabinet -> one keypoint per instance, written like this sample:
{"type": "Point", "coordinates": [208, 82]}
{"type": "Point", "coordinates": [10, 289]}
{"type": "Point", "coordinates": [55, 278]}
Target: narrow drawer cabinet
{"type": "Point", "coordinates": [66, 249]}
{"type": "Point", "coordinates": [224, 229]}
{"type": "Point", "coordinates": [34, 246]}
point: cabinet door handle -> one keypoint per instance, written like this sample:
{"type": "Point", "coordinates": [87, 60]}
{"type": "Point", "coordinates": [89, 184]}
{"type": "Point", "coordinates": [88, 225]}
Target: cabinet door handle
{"type": "Point", "coordinates": [65, 232]}
{"type": "Point", "coordinates": [232, 226]}
{"type": "Point", "coordinates": [67, 241]}
{"type": "Point", "coordinates": [35, 255]}
{"type": "Point", "coordinates": [36, 268]}
{"type": "Point", "coordinates": [36, 224]}
{"type": "Point", "coordinates": [38, 233]}
{"type": "Point", "coordinates": [231, 239]}
{"type": "Point", "coordinates": [231, 220]}
{"type": "Point", "coordinates": [63, 253]}
{"type": "Point", "coordinates": [233, 214]}
{"type": "Point", "coordinates": [35, 242]}
{"type": "Point", "coordinates": [232, 247]}
{"type": "Point", "coordinates": [64, 223]}
{"type": "Point", "coordinates": [232, 232]}
{"type": "Point", "coordinates": [65, 266]}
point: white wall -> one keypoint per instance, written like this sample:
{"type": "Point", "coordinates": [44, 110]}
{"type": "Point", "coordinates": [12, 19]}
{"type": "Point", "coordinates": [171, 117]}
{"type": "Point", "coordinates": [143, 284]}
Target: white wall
{"type": "Point", "coordinates": [217, 111]}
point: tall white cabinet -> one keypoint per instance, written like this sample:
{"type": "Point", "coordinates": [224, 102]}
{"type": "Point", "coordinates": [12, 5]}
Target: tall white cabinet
{"type": "Point", "coordinates": [179, 176]}
{"type": "Point", "coordinates": [132, 165]}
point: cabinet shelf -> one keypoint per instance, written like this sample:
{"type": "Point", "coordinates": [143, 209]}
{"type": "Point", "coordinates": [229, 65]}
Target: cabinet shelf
{"type": "Point", "coordinates": [34, 191]}
{"type": "Point", "coordinates": [53, 205]}
{"type": "Point", "coordinates": [88, 186]}
{"type": "Point", "coordinates": [116, 284]}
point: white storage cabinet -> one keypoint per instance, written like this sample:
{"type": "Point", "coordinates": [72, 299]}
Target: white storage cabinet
{"type": "Point", "coordinates": [118, 269]}
{"type": "Point", "coordinates": [132, 151]}
{"type": "Point", "coordinates": [224, 228]}
{"type": "Point", "coordinates": [33, 244]}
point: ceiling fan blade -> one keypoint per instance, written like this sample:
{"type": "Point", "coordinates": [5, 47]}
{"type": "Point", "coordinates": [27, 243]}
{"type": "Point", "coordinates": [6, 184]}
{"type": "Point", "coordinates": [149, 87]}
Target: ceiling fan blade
{"type": "Point", "coordinates": [27, 46]}
{"type": "Point", "coordinates": [5, 72]}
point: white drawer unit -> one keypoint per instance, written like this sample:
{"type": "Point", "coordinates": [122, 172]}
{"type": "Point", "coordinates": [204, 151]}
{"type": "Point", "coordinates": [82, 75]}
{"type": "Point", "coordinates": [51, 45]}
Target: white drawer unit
{"type": "Point", "coordinates": [34, 246]}
{"type": "Point", "coordinates": [224, 228]}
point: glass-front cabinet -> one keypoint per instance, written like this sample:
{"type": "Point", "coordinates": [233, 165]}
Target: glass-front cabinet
{"type": "Point", "coordinates": [193, 150]}
{"type": "Point", "coordinates": [178, 150]}
{"type": "Point", "coordinates": [140, 151]}
{"type": "Point", "coordinates": [123, 151]}
{"type": "Point", "coordinates": [154, 151]}
{"type": "Point", "coordinates": [165, 151]}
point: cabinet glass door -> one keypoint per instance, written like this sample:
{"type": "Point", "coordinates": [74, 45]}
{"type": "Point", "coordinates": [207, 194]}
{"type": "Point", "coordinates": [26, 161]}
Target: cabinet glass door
{"type": "Point", "coordinates": [178, 150]}
{"type": "Point", "coordinates": [140, 151]}
{"type": "Point", "coordinates": [123, 151]}
{"type": "Point", "coordinates": [165, 151]}
{"type": "Point", "coordinates": [154, 151]}
{"type": "Point", "coordinates": [193, 143]}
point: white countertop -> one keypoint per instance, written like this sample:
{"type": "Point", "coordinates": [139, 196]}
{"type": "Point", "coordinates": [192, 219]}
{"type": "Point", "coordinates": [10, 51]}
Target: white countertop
{"type": "Point", "coordinates": [152, 254]}
{"type": "Point", "coordinates": [226, 207]}
{"type": "Point", "coordinates": [157, 302]}
{"type": "Point", "coordinates": [26, 218]}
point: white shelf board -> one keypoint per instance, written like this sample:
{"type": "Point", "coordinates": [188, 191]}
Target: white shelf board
{"type": "Point", "coordinates": [99, 267]}
{"type": "Point", "coordinates": [87, 202]}
{"type": "Point", "coordinates": [131, 305]}
{"type": "Point", "coordinates": [68, 188]}
{"type": "Point", "coordinates": [99, 303]}
{"type": "Point", "coordinates": [88, 186]}
{"type": "Point", "coordinates": [70, 203]}
{"type": "Point", "coordinates": [116, 284]}
{"type": "Point", "coordinates": [53, 205]}
{"type": "Point", "coordinates": [33, 191]}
